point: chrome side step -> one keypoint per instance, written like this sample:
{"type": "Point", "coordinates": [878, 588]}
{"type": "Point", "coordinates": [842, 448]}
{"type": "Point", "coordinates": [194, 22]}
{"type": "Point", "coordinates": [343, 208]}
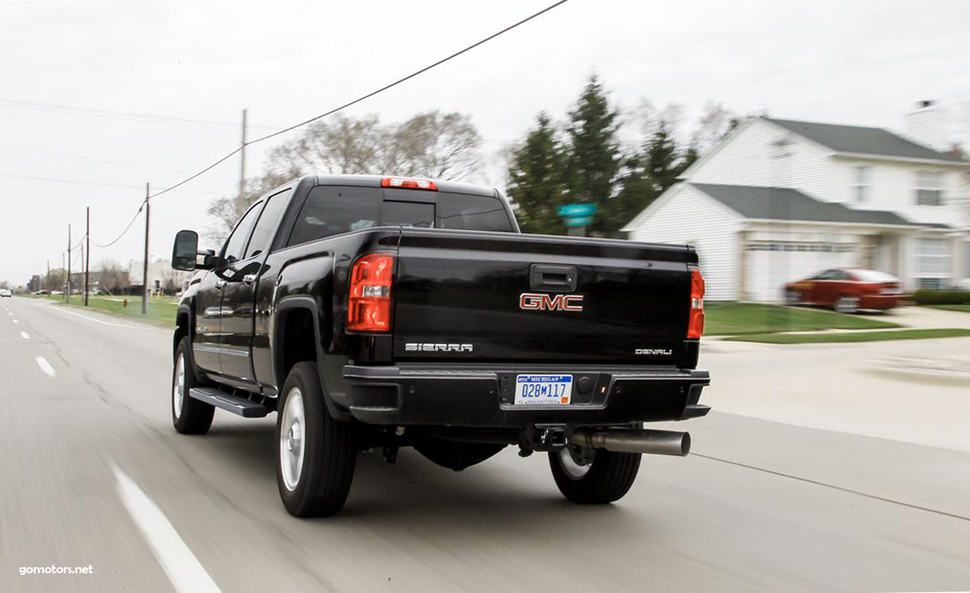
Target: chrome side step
{"type": "Point", "coordinates": [231, 403]}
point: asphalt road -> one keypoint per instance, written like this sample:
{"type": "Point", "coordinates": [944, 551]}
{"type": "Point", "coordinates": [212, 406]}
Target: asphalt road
{"type": "Point", "coordinates": [87, 455]}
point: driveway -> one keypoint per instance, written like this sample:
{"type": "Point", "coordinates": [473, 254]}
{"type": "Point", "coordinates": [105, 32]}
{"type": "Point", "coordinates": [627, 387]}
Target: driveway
{"type": "Point", "coordinates": [915, 391]}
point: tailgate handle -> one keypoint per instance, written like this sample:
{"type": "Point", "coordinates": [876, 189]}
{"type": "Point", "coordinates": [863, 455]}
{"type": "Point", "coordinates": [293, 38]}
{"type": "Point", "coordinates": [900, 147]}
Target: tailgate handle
{"type": "Point", "coordinates": [553, 277]}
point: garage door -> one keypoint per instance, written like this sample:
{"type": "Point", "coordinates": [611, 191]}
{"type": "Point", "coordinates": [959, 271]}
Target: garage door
{"type": "Point", "coordinates": [771, 264]}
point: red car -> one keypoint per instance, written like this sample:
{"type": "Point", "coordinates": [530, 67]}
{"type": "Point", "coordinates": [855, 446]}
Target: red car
{"type": "Point", "coordinates": [846, 290]}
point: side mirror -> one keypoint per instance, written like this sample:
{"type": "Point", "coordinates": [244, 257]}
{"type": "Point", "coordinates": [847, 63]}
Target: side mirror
{"type": "Point", "coordinates": [185, 251]}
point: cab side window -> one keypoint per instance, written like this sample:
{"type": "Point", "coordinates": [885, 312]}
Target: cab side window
{"type": "Point", "coordinates": [268, 220]}
{"type": "Point", "coordinates": [236, 245]}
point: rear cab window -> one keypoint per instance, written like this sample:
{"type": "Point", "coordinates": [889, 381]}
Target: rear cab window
{"type": "Point", "coordinates": [332, 210]}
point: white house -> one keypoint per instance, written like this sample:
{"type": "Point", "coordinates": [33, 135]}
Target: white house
{"type": "Point", "coordinates": [779, 200]}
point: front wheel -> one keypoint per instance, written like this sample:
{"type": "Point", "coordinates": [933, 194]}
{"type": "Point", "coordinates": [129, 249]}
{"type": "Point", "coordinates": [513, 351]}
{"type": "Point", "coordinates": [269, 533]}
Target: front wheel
{"type": "Point", "coordinates": [189, 416]}
{"type": "Point", "coordinates": [315, 453]}
{"type": "Point", "coordinates": [593, 476]}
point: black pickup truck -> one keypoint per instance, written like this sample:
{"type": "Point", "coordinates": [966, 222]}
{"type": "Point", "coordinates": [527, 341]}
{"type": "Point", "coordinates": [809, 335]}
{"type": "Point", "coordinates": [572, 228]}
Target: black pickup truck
{"type": "Point", "coordinates": [373, 313]}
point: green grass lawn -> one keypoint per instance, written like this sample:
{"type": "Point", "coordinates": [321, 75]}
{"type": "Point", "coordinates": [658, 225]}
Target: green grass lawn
{"type": "Point", "coordinates": [961, 308]}
{"type": "Point", "coordinates": [161, 311]}
{"type": "Point", "coordinates": [863, 336]}
{"type": "Point", "coordinates": [749, 318]}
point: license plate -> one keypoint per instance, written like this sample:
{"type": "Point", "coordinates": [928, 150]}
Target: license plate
{"type": "Point", "coordinates": [547, 390]}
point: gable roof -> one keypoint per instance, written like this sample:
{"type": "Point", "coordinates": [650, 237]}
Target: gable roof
{"type": "Point", "coordinates": [860, 140]}
{"type": "Point", "coordinates": [778, 203]}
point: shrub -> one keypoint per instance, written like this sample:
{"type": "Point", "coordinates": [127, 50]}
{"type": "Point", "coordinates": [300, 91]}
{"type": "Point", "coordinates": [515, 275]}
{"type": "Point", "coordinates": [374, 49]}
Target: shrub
{"type": "Point", "coordinates": [942, 297]}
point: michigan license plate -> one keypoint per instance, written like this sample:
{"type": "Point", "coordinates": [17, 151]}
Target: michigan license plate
{"type": "Point", "coordinates": [553, 390]}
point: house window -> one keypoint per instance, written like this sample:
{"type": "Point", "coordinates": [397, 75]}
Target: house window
{"type": "Point", "coordinates": [929, 188]}
{"type": "Point", "coordinates": [932, 263]}
{"type": "Point", "coordinates": [861, 183]}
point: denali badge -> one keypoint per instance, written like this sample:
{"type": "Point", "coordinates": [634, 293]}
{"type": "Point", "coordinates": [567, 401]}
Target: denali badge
{"type": "Point", "coordinates": [545, 302]}
{"type": "Point", "coordinates": [653, 351]}
{"type": "Point", "coordinates": [421, 347]}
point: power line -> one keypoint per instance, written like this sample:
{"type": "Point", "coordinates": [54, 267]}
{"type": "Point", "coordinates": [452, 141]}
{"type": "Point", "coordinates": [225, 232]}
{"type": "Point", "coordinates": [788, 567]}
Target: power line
{"type": "Point", "coordinates": [79, 242]}
{"type": "Point", "coordinates": [363, 97]}
{"type": "Point", "coordinates": [124, 232]}
{"type": "Point", "coordinates": [51, 107]}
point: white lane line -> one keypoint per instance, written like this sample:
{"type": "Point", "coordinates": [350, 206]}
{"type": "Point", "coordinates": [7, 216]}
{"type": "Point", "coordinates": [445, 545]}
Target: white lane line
{"type": "Point", "coordinates": [15, 321]}
{"type": "Point", "coordinates": [181, 566]}
{"type": "Point", "coordinates": [24, 335]}
{"type": "Point", "coordinates": [45, 366]}
{"type": "Point", "coordinates": [62, 310]}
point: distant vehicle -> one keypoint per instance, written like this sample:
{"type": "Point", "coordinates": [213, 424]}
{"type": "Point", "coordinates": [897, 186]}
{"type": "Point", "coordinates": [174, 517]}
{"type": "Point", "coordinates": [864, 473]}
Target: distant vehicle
{"type": "Point", "coordinates": [846, 290]}
{"type": "Point", "coordinates": [54, 292]}
{"type": "Point", "coordinates": [41, 292]}
{"type": "Point", "coordinates": [5, 293]}
{"type": "Point", "coordinates": [963, 284]}
{"type": "Point", "coordinates": [378, 313]}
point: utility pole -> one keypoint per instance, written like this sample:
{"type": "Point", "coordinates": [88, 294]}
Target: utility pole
{"type": "Point", "coordinates": [144, 293]}
{"type": "Point", "coordinates": [48, 276]}
{"type": "Point", "coordinates": [242, 163]}
{"type": "Point", "coordinates": [68, 291]}
{"type": "Point", "coordinates": [87, 262]}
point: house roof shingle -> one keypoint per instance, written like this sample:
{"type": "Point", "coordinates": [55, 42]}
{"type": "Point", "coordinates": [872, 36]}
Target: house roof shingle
{"type": "Point", "coordinates": [860, 140]}
{"type": "Point", "coordinates": [777, 203]}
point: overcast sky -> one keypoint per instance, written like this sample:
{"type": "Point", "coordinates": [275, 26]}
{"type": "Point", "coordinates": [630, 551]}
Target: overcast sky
{"type": "Point", "coordinates": [861, 63]}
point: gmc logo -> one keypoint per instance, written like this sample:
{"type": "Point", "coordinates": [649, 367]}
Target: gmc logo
{"type": "Point", "coordinates": [529, 301]}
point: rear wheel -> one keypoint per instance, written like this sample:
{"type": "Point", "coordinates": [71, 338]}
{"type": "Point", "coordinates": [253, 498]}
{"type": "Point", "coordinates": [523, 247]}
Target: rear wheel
{"type": "Point", "coordinates": [593, 476]}
{"type": "Point", "coordinates": [315, 453]}
{"type": "Point", "coordinates": [847, 304]}
{"type": "Point", "coordinates": [189, 416]}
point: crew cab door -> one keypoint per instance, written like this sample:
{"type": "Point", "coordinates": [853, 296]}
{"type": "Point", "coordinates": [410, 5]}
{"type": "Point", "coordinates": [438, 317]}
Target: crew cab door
{"type": "Point", "coordinates": [239, 293]}
{"type": "Point", "coordinates": [208, 326]}
{"type": "Point", "coordinates": [232, 307]}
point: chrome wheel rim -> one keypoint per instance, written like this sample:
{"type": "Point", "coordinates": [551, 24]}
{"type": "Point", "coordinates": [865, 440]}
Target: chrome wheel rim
{"type": "Point", "coordinates": [178, 389]}
{"type": "Point", "coordinates": [847, 304]}
{"type": "Point", "coordinates": [573, 468]}
{"type": "Point", "coordinates": [292, 439]}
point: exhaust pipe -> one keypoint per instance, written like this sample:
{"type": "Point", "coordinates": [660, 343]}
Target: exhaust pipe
{"type": "Point", "coordinates": [628, 440]}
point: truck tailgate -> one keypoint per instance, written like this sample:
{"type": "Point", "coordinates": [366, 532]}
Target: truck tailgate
{"type": "Point", "coordinates": [485, 297]}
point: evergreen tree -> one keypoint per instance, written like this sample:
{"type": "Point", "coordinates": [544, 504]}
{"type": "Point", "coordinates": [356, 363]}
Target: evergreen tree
{"type": "Point", "coordinates": [536, 179]}
{"type": "Point", "coordinates": [649, 173]}
{"type": "Point", "coordinates": [594, 154]}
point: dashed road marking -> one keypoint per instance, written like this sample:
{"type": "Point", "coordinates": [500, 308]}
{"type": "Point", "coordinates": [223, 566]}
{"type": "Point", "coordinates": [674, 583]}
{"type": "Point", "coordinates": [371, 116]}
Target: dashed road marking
{"type": "Point", "coordinates": [45, 366]}
{"type": "Point", "coordinates": [182, 567]}
{"type": "Point", "coordinates": [25, 335]}
{"type": "Point", "coordinates": [15, 321]}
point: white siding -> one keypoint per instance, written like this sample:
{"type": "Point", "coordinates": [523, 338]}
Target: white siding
{"type": "Point", "coordinates": [751, 157]}
{"type": "Point", "coordinates": [689, 216]}
{"type": "Point", "coordinates": [893, 188]}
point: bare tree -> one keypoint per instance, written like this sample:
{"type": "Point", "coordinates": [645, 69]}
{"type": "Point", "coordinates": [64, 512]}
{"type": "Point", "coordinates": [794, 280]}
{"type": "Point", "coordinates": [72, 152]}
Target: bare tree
{"type": "Point", "coordinates": [113, 277]}
{"type": "Point", "coordinates": [444, 146]}
{"type": "Point", "coordinates": [713, 125]}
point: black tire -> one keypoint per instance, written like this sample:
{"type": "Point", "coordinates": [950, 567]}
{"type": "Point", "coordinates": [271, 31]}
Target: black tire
{"type": "Point", "coordinates": [608, 479]}
{"type": "Point", "coordinates": [190, 416]}
{"type": "Point", "coordinates": [329, 449]}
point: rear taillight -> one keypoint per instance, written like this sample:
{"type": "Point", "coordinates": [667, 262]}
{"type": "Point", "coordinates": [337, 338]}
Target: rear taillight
{"type": "Point", "coordinates": [409, 183]}
{"type": "Point", "coordinates": [696, 326]}
{"type": "Point", "coordinates": [369, 309]}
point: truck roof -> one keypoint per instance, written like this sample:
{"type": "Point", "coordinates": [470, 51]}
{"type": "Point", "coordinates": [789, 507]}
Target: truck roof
{"type": "Point", "coordinates": [375, 181]}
